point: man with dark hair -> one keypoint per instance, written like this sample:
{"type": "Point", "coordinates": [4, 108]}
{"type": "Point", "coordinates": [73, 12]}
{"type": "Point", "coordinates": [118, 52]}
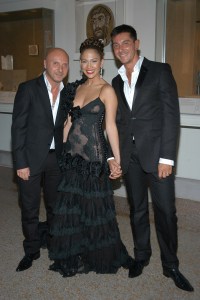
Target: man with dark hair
{"type": "Point", "coordinates": [148, 125]}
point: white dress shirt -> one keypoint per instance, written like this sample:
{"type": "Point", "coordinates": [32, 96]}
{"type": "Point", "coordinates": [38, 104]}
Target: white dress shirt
{"type": "Point", "coordinates": [54, 105]}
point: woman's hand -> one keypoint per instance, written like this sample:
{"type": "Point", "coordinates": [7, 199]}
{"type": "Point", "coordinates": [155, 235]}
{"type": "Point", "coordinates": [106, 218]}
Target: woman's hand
{"type": "Point", "coordinates": [115, 169]}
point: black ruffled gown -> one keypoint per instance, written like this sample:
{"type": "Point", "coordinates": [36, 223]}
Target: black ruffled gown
{"type": "Point", "coordinates": [85, 234]}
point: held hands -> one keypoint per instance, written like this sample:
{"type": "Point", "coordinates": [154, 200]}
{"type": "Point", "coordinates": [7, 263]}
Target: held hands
{"type": "Point", "coordinates": [164, 170]}
{"type": "Point", "coordinates": [24, 173]}
{"type": "Point", "coordinates": [115, 169]}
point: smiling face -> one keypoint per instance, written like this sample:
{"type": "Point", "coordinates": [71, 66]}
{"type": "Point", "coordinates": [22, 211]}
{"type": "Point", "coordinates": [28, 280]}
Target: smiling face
{"type": "Point", "coordinates": [91, 63]}
{"type": "Point", "coordinates": [125, 48]}
{"type": "Point", "coordinates": [56, 65]}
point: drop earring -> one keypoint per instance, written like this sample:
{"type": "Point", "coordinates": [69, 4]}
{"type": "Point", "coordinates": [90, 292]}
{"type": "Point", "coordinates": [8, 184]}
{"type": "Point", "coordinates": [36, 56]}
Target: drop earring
{"type": "Point", "coordinates": [101, 72]}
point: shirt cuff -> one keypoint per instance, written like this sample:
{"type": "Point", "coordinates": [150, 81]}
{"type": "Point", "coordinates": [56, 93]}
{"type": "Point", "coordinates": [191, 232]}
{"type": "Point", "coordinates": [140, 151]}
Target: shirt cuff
{"type": "Point", "coordinates": [166, 161]}
{"type": "Point", "coordinates": [110, 158]}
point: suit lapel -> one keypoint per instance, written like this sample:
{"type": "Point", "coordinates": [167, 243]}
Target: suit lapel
{"type": "Point", "coordinates": [140, 80]}
{"type": "Point", "coordinates": [45, 98]}
{"type": "Point", "coordinates": [121, 89]}
{"type": "Point", "coordinates": [60, 108]}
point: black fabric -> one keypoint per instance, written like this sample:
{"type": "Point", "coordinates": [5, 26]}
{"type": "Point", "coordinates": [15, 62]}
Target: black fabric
{"type": "Point", "coordinates": [85, 225]}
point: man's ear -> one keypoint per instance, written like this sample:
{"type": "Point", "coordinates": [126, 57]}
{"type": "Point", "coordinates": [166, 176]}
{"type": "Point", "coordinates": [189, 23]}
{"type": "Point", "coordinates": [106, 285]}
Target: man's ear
{"type": "Point", "coordinates": [137, 44]}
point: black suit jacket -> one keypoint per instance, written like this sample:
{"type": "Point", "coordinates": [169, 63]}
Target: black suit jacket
{"type": "Point", "coordinates": [33, 128]}
{"type": "Point", "coordinates": [154, 118]}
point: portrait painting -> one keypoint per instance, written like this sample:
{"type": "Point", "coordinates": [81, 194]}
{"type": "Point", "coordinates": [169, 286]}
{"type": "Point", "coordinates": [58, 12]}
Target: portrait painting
{"type": "Point", "coordinates": [100, 22]}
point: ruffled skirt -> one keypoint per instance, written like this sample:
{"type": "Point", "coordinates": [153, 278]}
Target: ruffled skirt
{"type": "Point", "coordinates": [84, 232]}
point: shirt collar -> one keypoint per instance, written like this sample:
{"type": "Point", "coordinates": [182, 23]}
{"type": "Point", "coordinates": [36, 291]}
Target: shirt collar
{"type": "Point", "coordinates": [48, 85]}
{"type": "Point", "coordinates": [137, 67]}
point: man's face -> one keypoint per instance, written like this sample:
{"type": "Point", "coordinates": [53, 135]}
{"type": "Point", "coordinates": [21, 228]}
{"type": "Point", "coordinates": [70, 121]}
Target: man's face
{"type": "Point", "coordinates": [56, 65]}
{"type": "Point", "coordinates": [99, 25]}
{"type": "Point", "coordinates": [125, 48]}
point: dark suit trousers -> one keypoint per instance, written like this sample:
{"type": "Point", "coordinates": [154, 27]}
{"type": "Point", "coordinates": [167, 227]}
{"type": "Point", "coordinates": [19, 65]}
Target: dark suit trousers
{"type": "Point", "coordinates": [163, 199]}
{"type": "Point", "coordinates": [30, 195]}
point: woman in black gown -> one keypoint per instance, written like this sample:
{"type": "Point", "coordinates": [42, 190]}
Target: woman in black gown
{"type": "Point", "coordinates": [85, 234]}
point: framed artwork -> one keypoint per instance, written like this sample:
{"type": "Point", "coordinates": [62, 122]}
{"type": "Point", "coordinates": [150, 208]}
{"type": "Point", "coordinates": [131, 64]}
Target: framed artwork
{"type": "Point", "coordinates": [97, 18]}
{"type": "Point", "coordinates": [33, 50]}
{"type": "Point", "coordinates": [100, 22]}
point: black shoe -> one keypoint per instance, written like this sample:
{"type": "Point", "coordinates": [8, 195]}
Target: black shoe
{"type": "Point", "coordinates": [55, 267]}
{"type": "Point", "coordinates": [129, 263]}
{"type": "Point", "coordinates": [180, 281]}
{"type": "Point", "coordinates": [27, 261]}
{"type": "Point", "coordinates": [137, 268]}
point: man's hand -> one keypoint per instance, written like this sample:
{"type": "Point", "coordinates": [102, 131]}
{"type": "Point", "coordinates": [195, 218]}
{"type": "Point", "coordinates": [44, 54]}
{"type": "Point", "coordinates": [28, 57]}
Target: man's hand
{"type": "Point", "coordinates": [115, 169]}
{"type": "Point", "coordinates": [164, 170]}
{"type": "Point", "coordinates": [24, 173]}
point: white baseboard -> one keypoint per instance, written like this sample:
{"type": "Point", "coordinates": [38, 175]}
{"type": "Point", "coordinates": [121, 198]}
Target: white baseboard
{"type": "Point", "coordinates": [187, 188]}
{"type": "Point", "coordinates": [6, 159]}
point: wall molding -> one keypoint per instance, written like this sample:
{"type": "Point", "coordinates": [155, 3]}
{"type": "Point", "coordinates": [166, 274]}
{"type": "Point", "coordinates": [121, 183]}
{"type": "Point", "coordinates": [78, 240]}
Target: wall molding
{"type": "Point", "coordinates": [6, 159]}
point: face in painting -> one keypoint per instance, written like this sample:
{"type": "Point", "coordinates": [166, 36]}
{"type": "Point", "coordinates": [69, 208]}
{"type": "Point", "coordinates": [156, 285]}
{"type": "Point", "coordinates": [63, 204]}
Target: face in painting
{"type": "Point", "coordinates": [99, 25]}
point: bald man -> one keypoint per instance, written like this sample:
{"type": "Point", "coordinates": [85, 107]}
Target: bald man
{"type": "Point", "coordinates": [37, 137]}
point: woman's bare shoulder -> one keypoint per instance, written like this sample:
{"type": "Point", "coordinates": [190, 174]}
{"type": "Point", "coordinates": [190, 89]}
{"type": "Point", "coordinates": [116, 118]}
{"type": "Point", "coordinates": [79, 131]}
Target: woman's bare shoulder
{"type": "Point", "coordinates": [107, 88]}
{"type": "Point", "coordinates": [107, 94]}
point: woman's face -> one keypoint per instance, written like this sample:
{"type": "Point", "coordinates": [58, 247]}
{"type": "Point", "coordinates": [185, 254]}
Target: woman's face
{"type": "Point", "coordinates": [91, 63]}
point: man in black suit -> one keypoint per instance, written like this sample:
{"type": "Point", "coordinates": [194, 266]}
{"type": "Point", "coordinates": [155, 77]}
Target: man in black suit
{"type": "Point", "coordinates": [148, 125]}
{"type": "Point", "coordinates": [37, 137]}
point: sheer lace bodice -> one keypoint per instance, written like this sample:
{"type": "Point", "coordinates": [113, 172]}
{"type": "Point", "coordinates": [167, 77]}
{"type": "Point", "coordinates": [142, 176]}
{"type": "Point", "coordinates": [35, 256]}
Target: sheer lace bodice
{"type": "Point", "coordinates": [86, 137]}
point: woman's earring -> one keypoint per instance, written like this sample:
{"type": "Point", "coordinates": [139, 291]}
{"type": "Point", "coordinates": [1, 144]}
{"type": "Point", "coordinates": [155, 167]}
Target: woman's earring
{"type": "Point", "coordinates": [101, 72]}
